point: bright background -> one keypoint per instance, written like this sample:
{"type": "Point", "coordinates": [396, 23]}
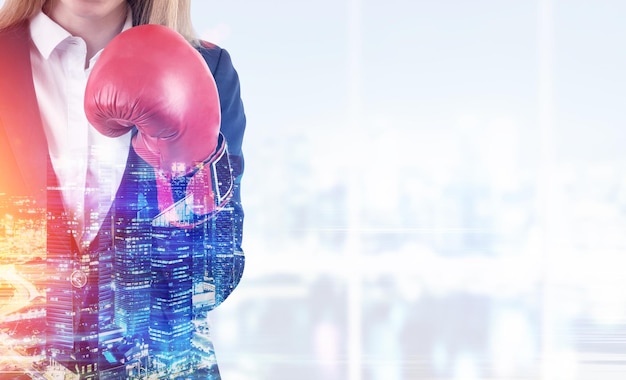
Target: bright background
{"type": "Point", "coordinates": [433, 189]}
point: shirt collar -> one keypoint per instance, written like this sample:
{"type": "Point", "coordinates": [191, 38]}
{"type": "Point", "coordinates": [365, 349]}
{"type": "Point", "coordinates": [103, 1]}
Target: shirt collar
{"type": "Point", "coordinates": [47, 34]}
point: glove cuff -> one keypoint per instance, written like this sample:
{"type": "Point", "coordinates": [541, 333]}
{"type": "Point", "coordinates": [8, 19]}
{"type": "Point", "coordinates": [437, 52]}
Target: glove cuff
{"type": "Point", "coordinates": [207, 192]}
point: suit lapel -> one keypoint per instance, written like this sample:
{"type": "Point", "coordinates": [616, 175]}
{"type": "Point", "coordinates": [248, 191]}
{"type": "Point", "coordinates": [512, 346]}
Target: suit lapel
{"type": "Point", "coordinates": [19, 115]}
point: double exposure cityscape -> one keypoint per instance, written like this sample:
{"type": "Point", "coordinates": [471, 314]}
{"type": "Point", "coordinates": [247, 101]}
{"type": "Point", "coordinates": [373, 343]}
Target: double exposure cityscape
{"type": "Point", "coordinates": [136, 309]}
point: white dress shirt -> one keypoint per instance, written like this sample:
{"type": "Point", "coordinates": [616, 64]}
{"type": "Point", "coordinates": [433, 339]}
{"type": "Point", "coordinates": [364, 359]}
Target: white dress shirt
{"type": "Point", "coordinates": [88, 165]}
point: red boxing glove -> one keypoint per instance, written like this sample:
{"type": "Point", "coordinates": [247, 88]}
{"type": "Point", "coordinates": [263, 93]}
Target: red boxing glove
{"type": "Point", "coordinates": [151, 78]}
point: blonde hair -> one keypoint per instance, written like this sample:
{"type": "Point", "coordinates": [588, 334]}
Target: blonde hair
{"type": "Point", "coordinates": [15, 11]}
{"type": "Point", "coordinates": [175, 14]}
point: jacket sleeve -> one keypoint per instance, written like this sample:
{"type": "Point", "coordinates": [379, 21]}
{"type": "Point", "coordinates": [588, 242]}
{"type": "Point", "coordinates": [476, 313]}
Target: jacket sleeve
{"type": "Point", "coordinates": [233, 127]}
{"type": "Point", "coordinates": [233, 124]}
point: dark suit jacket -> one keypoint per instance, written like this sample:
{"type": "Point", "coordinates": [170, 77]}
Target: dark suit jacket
{"type": "Point", "coordinates": [23, 147]}
{"type": "Point", "coordinates": [25, 170]}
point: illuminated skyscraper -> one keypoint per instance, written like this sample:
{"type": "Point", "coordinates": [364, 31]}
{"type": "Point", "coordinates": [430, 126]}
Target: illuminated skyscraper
{"type": "Point", "coordinates": [72, 295]}
{"type": "Point", "coordinates": [219, 238]}
{"type": "Point", "coordinates": [133, 244]}
{"type": "Point", "coordinates": [171, 298]}
{"type": "Point", "coordinates": [132, 278]}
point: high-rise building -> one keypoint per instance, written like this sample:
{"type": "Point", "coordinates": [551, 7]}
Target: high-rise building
{"type": "Point", "coordinates": [72, 293]}
{"type": "Point", "coordinates": [131, 265]}
{"type": "Point", "coordinates": [171, 298]}
{"type": "Point", "coordinates": [132, 278]}
{"type": "Point", "coordinates": [220, 240]}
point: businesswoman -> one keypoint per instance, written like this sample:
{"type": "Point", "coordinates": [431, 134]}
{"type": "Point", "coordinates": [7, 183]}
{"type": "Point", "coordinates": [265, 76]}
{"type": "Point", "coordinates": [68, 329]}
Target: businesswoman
{"type": "Point", "coordinates": [139, 176]}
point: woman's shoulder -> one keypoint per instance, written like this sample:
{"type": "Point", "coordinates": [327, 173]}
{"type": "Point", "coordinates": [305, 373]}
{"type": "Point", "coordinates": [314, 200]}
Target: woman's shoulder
{"type": "Point", "coordinates": [214, 55]}
{"type": "Point", "coordinates": [18, 31]}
